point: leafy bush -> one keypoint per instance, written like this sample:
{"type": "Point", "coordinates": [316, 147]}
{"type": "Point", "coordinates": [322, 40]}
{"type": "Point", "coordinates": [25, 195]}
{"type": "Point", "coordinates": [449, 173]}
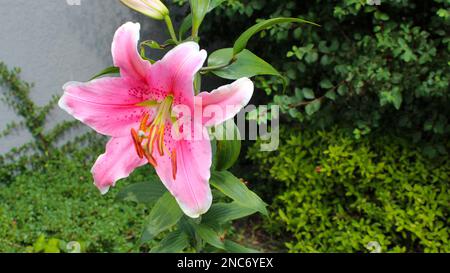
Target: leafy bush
{"type": "Point", "coordinates": [342, 194]}
{"type": "Point", "coordinates": [367, 68]}
{"type": "Point", "coordinates": [55, 198]}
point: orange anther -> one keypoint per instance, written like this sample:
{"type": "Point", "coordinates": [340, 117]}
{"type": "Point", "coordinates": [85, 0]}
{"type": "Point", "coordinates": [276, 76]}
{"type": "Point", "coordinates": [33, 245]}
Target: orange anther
{"type": "Point", "coordinates": [151, 160]}
{"type": "Point", "coordinates": [144, 122]}
{"type": "Point", "coordinates": [137, 143]}
{"type": "Point", "coordinates": [174, 164]}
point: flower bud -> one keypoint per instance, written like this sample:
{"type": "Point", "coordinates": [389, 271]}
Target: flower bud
{"type": "Point", "coordinates": [152, 8]}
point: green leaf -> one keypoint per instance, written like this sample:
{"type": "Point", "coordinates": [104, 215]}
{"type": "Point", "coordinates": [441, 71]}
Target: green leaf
{"type": "Point", "coordinates": [342, 89]}
{"type": "Point", "coordinates": [232, 187]}
{"type": "Point", "coordinates": [174, 242]}
{"type": "Point", "coordinates": [222, 213]}
{"type": "Point", "coordinates": [233, 247]}
{"type": "Point", "coordinates": [214, 4]}
{"type": "Point", "coordinates": [163, 216]}
{"type": "Point", "coordinates": [313, 107]}
{"type": "Point", "coordinates": [247, 64]}
{"type": "Point", "coordinates": [185, 26]}
{"type": "Point", "coordinates": [331, 95]}
{"type": "Point", "coordinates": [144, 192]}
{"type": "Point", "coordinates": [152, 44]}
{"type": "Point", "coordinates": [199, 9]}
{"type": "Point", "coordinates": [241, 42]}
{"type": "Point", "coordinates": [187, 21]}
{"type": "Point", "coordinates": [210, 236]}
{"type": "Point", "coordinates": [228, 146]}
{"type": "Point", "coordinates": [106, 71]}
{"type": "Point", "coordinates": [308, 93]}
{"type": "Point", "coordinates": [326, 84]}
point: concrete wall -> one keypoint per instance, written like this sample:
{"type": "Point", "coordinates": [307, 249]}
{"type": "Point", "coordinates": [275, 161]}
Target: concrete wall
{"type": "Point", "coordinates": [54, 42]}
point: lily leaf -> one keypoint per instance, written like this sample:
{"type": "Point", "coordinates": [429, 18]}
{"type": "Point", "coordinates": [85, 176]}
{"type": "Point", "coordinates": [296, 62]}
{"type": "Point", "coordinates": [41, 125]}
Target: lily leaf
{"type": "Point", "coordinates": [233, 247]}
{"type": "Point", "coordinates": [232, 187]}
{"type": "Point", "coordinates": [174, 242]}
{"type": "Point", "coordinates": [187, 21]}
{"type": "Point", "coordinates": [247, 64]}
{"type": "Point", "coordinates": [222, 213]}
{"type": "Point", "coordinates": [144, 192]}
{"type": "Point", "coordinates": [242, 41]}
{"type": "Point", "coordinates": [164, 215]}
{"type": "Point", "coordinates": [106, 71]}
{"type": "Point", "coordinates": [227, 150]}
{"type": "Point", "coordinates": [199, 9]}
{"type": "Point", "coordinates": [210, 236]}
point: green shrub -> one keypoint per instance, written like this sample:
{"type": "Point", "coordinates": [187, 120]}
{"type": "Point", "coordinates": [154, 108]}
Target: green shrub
{"type": "Point", "coordinates": [342, 194]}
{"type": "Point", "coordinates": [367, 68]}
{"type": "Point", "coordinates": [55, 198]}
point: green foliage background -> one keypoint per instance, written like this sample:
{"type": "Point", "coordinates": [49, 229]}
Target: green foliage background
{"type": "Point", "coordinates": [368, 68]}
{"type": "Point", "coordinates": [335, 194]}
{"type": "Point", "coordinates": [364, 152]}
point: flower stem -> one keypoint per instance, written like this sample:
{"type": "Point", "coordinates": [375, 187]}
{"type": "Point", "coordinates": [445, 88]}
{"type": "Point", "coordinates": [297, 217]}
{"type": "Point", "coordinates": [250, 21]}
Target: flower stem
{"type": "Point", "coordinates": [194, 33]}
{"type": "Point", "coordinates": [170, 28]}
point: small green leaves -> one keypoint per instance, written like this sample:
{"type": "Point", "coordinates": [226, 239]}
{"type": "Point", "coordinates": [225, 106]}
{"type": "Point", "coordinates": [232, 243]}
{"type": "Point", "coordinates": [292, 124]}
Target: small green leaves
{"type": "Point", "coordinates": [241, 42]}
{"type": "Point", "coordinates": [227, 150]}
{"type": "Point", "coordinates": [232, 187]}
{"type": "Point", "coordinates": [246, 64]}
{"type": "Point", "coordinates": [163, 216]}
{"type": "Point", "coordinates": [326, 84]}
{"type": "Point", "coordinates": [313, 107]}
{"type": "Point", "coordinates": [393, 97]}
{"type": "Point", "coordinates": [106, 71]}
{"type": "Point", "coordinates": [331, 95]}
{"type": "Point", "coordinates": [308, 93]}
{"type": "Point", "coordinates": [144, 192]}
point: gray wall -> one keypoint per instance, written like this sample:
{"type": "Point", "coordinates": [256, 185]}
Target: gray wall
{"type": "Point", "coordinates": [54, 42]}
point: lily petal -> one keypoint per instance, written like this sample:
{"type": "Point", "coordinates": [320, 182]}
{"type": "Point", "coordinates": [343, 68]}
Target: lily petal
{"type": "Point", "coordinates": [119, 160]}
{"type": "Point", "coordinates": [175, 72]}
{"type": "Point", "coordinates": [228, 100]}
{"type": "Point", "coordinates": [191, 184]}
{"type": "Point", "coordinates": [108, 105]}
{"type": "Point", "coordinates": [126, 55]}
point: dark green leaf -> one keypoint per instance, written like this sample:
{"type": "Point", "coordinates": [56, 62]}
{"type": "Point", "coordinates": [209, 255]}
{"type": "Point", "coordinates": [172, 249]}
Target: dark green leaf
{"type": "Point", "coordinates": [210, 236]}
{"type": "Point", "coordinates": [185, 26]}
{"type": "Point", "coordinates": [232, 187]}
{"type": "Point", "coordinates": [174, 242]}
{"type": "Point", "coordinates": [163, 216]}
{"type": "Point", "coordinates": [308, 93]}
{"type": "Point", "coordinates": [222, 213]}
{"type": "Point", "coordinates": [313, 107]}
{"type": "Point", "coordinates": [228, 146]}
{"type": "Point", "coordinates": [247, 64]}
{"type": "Point", "coordinates": [331, 95]}
{"type": "Point", "coordinates": [326, 84]}
{"type": "Point", "coordinates": [106, 71]}
{"type": "Point", "coordinates": [233, 247]}
{"type": "Point", "coordinates": [145, 192]}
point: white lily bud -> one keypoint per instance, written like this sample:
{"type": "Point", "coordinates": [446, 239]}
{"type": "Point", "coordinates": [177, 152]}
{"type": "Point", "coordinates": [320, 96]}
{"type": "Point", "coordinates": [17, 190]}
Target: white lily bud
{"type": "Point", "coordinates": [152, 8]}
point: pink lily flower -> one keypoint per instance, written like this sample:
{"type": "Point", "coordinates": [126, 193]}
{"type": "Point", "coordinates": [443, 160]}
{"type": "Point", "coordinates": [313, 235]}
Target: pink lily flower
{"type": "Point", "coordinates": [137, 111]}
